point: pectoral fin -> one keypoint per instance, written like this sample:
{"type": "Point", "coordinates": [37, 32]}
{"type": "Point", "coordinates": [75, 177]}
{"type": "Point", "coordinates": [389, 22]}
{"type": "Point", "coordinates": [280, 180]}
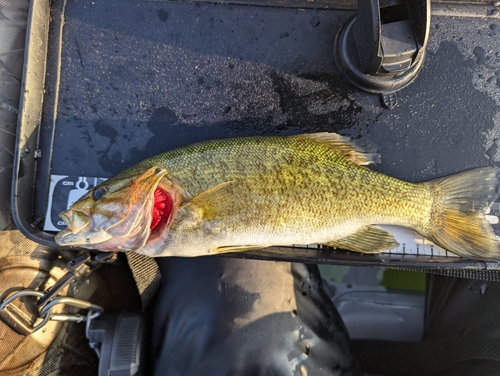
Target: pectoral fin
{"type": "Point", "coordinates": [220, 201]}
{"type": "Point", "coordinates": [371, 239]}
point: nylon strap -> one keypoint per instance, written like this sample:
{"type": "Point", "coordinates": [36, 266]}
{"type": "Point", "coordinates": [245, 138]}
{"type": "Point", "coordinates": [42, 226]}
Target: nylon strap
{"type": "Point", "coordinates": [475, 274]}
{"type": "Point", "coordinates": [146, 275]}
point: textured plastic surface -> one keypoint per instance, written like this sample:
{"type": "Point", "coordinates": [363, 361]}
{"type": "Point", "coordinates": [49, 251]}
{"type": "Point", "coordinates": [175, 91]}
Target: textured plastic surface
{"type": "Point", "coordinates": [395, 316]}
{"type": "Point", "coordinates": [29, 118]}
{"type": "Point", "coordinates": [119, 339]}
{"type": "Point", "coordinates": [126, 80]}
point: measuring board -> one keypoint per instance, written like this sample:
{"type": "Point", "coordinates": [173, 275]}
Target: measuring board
{"type": "Point", "coordinates": [64, 191]}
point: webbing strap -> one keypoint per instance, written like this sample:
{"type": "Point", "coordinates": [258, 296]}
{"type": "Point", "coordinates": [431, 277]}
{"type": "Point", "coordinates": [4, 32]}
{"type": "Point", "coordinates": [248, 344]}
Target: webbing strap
{"type": "Point", "coordinates": [146, 275]}
{"type": "Point", "coordinates": [475, 274]}
{"type": "Point", "coordinates": [482, 275]}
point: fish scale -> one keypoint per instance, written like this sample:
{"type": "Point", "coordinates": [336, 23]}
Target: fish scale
{"type": "Point", "coordinates": [252, 192]}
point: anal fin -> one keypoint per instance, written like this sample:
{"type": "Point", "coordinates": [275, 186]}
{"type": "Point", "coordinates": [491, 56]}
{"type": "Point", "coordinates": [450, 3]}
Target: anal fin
{"type": "Point", "coordinates": [370, 239]}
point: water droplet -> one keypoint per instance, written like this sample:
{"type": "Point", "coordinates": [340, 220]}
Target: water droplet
{"type": "Point", "coordinates": [483, 288]}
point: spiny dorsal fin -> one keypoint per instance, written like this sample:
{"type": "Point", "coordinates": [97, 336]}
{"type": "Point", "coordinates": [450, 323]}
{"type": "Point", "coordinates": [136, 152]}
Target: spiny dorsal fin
{"type": "Point", "coordinates": [344, 145]}
{"type": "Point", "coordinates": [370, 239]}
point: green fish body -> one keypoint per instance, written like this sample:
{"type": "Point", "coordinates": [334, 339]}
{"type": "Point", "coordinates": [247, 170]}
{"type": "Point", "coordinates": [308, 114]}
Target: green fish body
{"type": "Point", "coordinates": [253, 192]}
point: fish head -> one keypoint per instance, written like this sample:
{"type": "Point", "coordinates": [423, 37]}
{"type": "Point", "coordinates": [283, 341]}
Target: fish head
{"type": "Point", "coordinates": [122, 213]}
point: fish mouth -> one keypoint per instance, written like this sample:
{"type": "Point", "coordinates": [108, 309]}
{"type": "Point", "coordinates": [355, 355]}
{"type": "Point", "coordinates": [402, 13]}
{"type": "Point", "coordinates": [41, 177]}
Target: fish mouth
{"type": "Point", "coordinates": [123, 219]}
{"type": "Point", "coordinates": [77, 232]}
{"type": "Point", "coordinates": [67, 238]}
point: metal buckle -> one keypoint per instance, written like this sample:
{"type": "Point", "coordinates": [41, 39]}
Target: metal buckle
{"type": "Point", "coordinates": [80, 266]}
{"type": "Point", "coordinates": [17, 319]}
{"type": "Point", "coordinates": [19, 322]}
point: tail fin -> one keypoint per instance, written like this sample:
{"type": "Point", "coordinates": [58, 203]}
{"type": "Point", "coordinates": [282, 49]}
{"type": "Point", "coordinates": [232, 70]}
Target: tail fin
{"type": "Point", "coordinates": [459, 224]}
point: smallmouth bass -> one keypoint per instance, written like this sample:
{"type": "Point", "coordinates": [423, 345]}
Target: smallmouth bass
{"type": "Point", "coordinates": [254, 192]}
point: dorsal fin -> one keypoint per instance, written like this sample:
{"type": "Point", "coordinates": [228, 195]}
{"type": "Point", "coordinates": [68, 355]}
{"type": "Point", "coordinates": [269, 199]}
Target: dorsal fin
{"type": "Point", "coordinates": [344, 145]}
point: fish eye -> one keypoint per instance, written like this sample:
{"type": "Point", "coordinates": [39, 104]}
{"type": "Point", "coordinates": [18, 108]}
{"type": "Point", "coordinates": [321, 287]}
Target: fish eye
{"type": "Point", "coordinates": [98, 193]}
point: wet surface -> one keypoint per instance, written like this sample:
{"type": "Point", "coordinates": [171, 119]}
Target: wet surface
{"type": "Point", "coordinates": [436, 129]}
{"type": "Point", "coordinates": [163, 75]}
{"type": "Point", "coordinates": [149, 77]}
{"type": "Point", "coordinates": [203, 71]}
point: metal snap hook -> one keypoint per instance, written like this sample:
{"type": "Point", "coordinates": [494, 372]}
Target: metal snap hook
{"type": "Point", "coordinates": [16, 319]}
